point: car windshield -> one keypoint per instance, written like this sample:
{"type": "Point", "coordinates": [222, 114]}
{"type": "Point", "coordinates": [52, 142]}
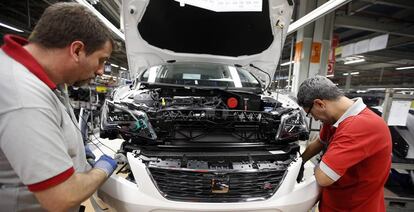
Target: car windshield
{"type": "Point", "coordinates": [200, 74]}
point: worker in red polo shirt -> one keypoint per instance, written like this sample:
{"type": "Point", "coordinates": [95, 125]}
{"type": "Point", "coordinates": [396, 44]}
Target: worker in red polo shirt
{"type": "Point", "coordinates": [357, 161]}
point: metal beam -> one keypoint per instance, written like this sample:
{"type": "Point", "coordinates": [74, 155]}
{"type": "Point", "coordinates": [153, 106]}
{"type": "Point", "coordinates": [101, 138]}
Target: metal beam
{"type": "Point", "coordinates": [371, 24]}
{"type": "Point", "coordinates": [394, 3]}
{"type": "Point", "coordinates": [375, 66]}
{"type": "Point", "coordinates": [393, 41]}
{"type": "Point", "coordinates": [111, 9]}
{"type": "Point", "coordinates": [354, 7]}
{"type": "Point", "coordinates": [339, 69]}
{"type": "Point", "coordinates": [360, 38]}
{"type": "Point", "coordinates": [348, 33]}
{"type": "Point", "coordinates": [363, 87]}
{"type": "Point", "coordinates": [114, 29]}
{"type": "Point", "coordinates": [403, 14]}
{"type": "Point", "coordinates": [315, 14]}
{"type": "Point", "coordinates": [392, 54]}
{"type": "Point", "coordinates": [400, 41]}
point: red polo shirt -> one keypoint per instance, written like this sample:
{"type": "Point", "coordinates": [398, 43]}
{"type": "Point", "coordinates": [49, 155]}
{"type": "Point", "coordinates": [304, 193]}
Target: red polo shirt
{"type": "Point", "coordinates": [358, 158]}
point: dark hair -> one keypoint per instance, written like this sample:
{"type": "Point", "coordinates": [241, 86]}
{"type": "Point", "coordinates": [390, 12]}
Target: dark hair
{"type": "Point", "coordinates": [65, 22]}
{"type": "Point", "coordinates": [317, 87]}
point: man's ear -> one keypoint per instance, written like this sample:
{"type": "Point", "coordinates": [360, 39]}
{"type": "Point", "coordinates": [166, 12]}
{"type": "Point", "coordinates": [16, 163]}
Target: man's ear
{"type": "Point", "coordinates": [77, 50]}
{"type": "Point", "coordinates": [319, 102]}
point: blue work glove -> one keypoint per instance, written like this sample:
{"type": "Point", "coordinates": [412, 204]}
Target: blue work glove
{"type": "Point", "coordinates": [90, 157]}
{"type": "Point", "coordinates": [106, 164]}
{"type": "Point", "coordinates": [89, 153]}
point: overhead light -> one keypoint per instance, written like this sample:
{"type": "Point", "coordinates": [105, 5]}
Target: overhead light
{"type": "Point", "coordinates": [352, 73]}
{"type": "Point", "coordinates": [93, 1]}
{"type": "Point", "coordinates": [122, 68]}
{"type": "Point", "coordinates": [287, 63]}
{"type": "Point", "coordinates": [404, 68]}
{"type": "Point", "coordinates": [350, 58]}
{"type": "Point", "coordinates": [331, 75]}
{"type": "Point", "coordinates": [114, 65]}
{"type": "Point", "coordinates": [354, 61]}
{"type": "Point", "coordinates": [10, 27]}
{"type": "Point", "coordinates": [316, 13]}
{"type": "Point", "coordinates": [354, 57]}
{"type": "Point", "coordinates": [103, 19]}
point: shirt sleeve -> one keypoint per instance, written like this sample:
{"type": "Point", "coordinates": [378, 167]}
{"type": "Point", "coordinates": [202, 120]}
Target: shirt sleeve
{"type": "Point", "coordinates": [344, 151]}
{"type": "Point", "coordinates": [32, 141]}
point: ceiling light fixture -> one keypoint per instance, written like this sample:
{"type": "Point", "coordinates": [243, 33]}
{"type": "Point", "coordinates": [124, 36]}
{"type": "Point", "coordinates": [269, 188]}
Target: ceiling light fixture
{"type": "Point", "coordinates": [352, 73]}
{"type": "Point", "coordinates": [122, 68]}
{"type": "Point", "coordinates": [114, 65]}
{"type": "Point", "coordinates": [10, 27]}
{"type": "Point", "coordinates": [103, 19]}
{"type": "Point", "coordinates": [316, 13]}
{"type": "Point", "coordinates": [93, 1]}
{"type": "Point", "coordinates": [355, 57]}
{"type": "Point", "coordinates": [287, 63]}
{"type": "Point", "coordinates": [354, 61]}
{"type": "Point", "coordinates": [404, 68]}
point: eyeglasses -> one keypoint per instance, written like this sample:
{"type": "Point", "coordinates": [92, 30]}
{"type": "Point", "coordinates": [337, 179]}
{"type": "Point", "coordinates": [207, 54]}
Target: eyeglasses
{"type": "Point", "coordinates": [308, 113]}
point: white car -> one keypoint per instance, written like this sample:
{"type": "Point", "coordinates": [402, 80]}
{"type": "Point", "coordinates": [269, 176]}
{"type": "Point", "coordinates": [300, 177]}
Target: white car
{"type": "Point", "coordinates": [200, 131]}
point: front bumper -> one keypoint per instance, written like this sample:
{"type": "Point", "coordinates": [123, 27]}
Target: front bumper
{"type": "Point", "coordinates": [120, 194]}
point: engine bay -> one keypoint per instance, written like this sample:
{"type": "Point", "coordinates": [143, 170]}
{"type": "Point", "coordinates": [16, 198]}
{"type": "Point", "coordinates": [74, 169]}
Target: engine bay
{"type": "Point", "coordinates": [183, 116]}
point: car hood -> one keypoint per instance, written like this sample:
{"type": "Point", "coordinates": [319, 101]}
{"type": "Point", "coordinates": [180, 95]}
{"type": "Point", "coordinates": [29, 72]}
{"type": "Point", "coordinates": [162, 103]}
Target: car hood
{"type": "Point", "coordinates": [160, 31]}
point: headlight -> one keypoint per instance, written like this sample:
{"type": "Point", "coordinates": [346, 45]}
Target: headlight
{"type": "Point", "coordinates": [106, 122]}
{"type": "Point", "coordinates": [292, 127]}
{"type": "Point", "coordinates": [118, 118]}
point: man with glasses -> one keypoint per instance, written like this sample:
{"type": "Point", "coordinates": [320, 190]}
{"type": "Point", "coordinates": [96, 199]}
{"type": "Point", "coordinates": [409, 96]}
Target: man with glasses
{"type": "Point", "coordinates": [356, 164]}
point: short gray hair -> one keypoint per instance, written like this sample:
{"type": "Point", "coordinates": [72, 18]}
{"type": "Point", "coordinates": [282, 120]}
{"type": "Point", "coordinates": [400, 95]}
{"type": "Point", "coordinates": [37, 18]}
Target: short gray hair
{"type": "Point", "coordinates": [317, 87]}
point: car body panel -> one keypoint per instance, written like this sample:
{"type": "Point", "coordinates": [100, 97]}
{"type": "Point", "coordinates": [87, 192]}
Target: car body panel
{"type": "Point", "coordinates": [123, 195]}
{"type": "Point", "coordinates": [141, 54]}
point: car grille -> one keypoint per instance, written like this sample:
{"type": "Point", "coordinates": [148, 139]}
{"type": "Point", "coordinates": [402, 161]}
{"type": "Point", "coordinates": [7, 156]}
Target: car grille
{"type": "Point", "coordinates": [184, 185]}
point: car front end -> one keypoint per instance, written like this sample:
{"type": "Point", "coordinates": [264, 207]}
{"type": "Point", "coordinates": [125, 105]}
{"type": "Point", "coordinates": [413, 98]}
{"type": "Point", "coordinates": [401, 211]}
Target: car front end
{"type": "Point", "coordinates": [199, 129]}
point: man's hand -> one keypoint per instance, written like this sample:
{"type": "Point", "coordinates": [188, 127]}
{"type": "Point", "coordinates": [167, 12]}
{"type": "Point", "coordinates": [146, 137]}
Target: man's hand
{"type": "Point", "coordinates": [106, 164]}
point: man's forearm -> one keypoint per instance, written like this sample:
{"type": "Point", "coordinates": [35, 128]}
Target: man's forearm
{"type": "Point", "coordinates": [313, 148]}
{"type": "Point", "coordinates": [87, 184]}
{"type": "Point", "coordinates": [72, 192]}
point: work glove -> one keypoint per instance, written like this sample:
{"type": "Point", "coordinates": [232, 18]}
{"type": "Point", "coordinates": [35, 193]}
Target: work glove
{"type": "Point", "coordinates": [106, 164]}
{"type": "Point", "coordinates": [90, 157]}
{"type": "Point", "coordinates": [300, 174]}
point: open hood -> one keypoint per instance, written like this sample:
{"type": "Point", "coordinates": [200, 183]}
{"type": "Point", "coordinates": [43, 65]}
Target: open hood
{"type": "Point", "coordinates": [160, 31]}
